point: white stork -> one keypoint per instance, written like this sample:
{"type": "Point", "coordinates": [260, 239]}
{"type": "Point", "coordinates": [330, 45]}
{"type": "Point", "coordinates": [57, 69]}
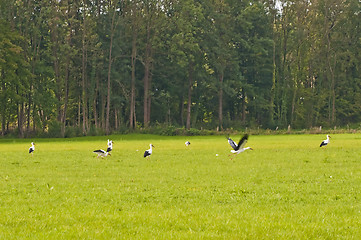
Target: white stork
{"type": "Point", "coordinates": [325, 142]}
{"type": "Point", "coordinates": [187, 143]}
{"type": "Point", "coordinates": [238, 148]}
{"type": "Point", "coordinates": [102, 153]}
{"type": "Point", "coordinates": [110, 145]}
{"type": "Point", "coordinates": [148, 152]}
{"type": "Point", "coordinates": [32, 148]}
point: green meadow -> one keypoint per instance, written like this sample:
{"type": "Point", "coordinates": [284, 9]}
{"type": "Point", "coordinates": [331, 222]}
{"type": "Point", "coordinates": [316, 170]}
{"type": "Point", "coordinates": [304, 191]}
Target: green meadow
{"type": "Point", "coordinates": [286, 188]}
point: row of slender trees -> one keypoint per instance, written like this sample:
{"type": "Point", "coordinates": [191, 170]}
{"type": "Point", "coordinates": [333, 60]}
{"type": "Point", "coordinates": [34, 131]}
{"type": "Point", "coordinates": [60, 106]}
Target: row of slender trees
{"type": "Point", "coordinates": [111, 64]}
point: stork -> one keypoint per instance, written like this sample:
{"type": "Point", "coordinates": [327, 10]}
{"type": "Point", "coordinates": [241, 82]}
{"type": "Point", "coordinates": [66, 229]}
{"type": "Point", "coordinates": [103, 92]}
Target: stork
{"type": "Point", "coordinates": [110, 145]}
{"type": "Point", "coordinates": [102, 153]}
{"type": "Point", "coordinates": [238, 148]}
{"type": "Point", "coordinates": [187, 143]}
{"type": "Point", "coordinates": [325, 142]}
{"type": "Point", "coordinates": [32, 148]}
{"type": "Point", "coordinates": [148, 152]}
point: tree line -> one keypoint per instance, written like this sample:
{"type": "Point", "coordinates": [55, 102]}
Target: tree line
{"type": "Point", "coordinates": [125, 64]}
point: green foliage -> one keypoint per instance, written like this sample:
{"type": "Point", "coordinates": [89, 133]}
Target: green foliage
{"type": "Point", "coordinates": [266, 66]}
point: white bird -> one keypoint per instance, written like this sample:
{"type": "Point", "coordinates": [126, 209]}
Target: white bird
{"type": "Point", "coordinates": [187, 143]}
{"type": "Point", "coordinates": [238, 148]}
{"type": "Point", "coordinates": [325, 142]}
{"type": "Point", "coordinates": [110, 145]}
{"type": "Point", "coordinates": [32, 148]}
{"type": "Point", "coordinates": [148, 152]}
{"type": "Point", "coordinates": [102, 153]}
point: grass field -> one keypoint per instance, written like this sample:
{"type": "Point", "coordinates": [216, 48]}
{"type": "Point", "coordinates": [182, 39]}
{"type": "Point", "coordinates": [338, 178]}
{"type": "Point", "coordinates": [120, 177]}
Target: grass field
{"type": "Point", "coordinates": [287, 188]}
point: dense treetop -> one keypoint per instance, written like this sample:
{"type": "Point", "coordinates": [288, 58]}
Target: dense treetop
{"type": "Point", "coordinates": [111, 65]}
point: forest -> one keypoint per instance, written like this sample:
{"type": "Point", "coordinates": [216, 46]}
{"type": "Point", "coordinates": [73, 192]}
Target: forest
{"type": "Point", "coordinates": [82, 67]}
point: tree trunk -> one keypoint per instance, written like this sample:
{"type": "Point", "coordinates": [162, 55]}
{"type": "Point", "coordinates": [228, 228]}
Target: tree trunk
{"type": "Point", "coordinates": [107, 127]}
{"type": "Point", "coordinates": [220, 102]}
{"type": "Point", "coordinates": [55, 49]}
{"type": "Point", "coordinates": [116, 118]}
{"type": "Point", "coordinates": [146, 93]}
{"type": "Point", "coordinates": [149, 97]}
{"type": "Point", "coordinates": [3, 106]}
{"type": "Point", "coordinates": [132, 120]}
{"type": "Point", "coordinates": [95, 112]}
{"type": "Point", "coordinates": [79, 112]}
{"type": "Point", "coordinates": [66, 81]}
{"type": "Point", "coordinates": [182, 110]}
{"type": "Point", "coordinates": [20, 119]}
{"type": "Point", "coordinates": [147, 76]}
{"type": "Point", "coordinates": [243, 107]}
{"type": "Point", "coordinates": [189, 104]}
{"type": "Point", "coordinates": [102, 119]}
{"type": "Point", "coordinates": [84, 85]}
{"type": "Point", "coordinates": [66, 97]}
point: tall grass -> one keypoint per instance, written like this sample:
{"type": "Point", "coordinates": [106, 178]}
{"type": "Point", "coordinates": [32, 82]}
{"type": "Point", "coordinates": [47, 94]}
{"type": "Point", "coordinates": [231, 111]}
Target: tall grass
{"type": "Point", "coordinates": [287, 188]}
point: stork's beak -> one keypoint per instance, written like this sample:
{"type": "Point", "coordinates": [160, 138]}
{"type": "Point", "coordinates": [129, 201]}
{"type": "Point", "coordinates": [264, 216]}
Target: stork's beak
{"type": "Point", "coordinates": [153, 145]}
{"type": "Point", "coordinates": [251, 148]}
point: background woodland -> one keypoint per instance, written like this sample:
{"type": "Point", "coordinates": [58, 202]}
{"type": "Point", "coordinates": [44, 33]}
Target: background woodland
{"type": "Point", "coordinates": [83, 67]}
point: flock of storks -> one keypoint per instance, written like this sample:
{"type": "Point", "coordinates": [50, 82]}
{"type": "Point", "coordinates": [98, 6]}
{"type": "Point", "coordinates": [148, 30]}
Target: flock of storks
{"type": "Point", "coordinates": [237, 148]}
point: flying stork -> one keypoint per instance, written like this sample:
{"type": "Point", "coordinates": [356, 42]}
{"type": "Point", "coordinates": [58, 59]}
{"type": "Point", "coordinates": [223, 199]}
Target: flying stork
{"type": "Point", "coordinates": [238, 148]}
{"type": "Point", "coordinates": [110, 145]}
{"type": "Point", "coordinates": [102, 153]}
{"type": "Point", "coordinates": [325, 142]}
{"type": "Point", "coordinates": [32, 148]}
{"type": "Point", "coordinates": [148, 152]}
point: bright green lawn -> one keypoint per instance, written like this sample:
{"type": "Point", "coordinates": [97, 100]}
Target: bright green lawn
{"type": "Point", "coordinates": [287, 188]}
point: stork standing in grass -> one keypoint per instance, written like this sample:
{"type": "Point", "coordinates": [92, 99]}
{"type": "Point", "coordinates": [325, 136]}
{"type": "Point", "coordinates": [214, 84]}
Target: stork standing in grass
{"type": "Point", "coordinates": [238, 148]}
{"type": "Point", "coordinates": [148, 152]}
{"type": "Point", "coordinates": [110, 145]}
{"type": "Point", "coordinates": [32, 148]}
{"type": "Point", "coordinates": [187, 143]}
{"type": "Point", "coordinates": [102, 153]}
{"type": "Point", "coordinates": [325, 142]}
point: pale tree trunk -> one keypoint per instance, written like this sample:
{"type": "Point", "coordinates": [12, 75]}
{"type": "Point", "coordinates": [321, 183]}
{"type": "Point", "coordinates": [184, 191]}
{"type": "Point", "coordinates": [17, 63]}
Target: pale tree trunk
{"type": "Point", "coordinates": [146, 94]}
{"type": "Point", "coordinates": [95, 112]}
{"type": "Point", "coordinates": [116, 119]}
{"type": "Point", "coordinates": [55, 49]}
{"type": "Point", "coordinates": [273, 89]}
{"type": "Point", "coordinates": [132, 120]}
{"type": "Point", "coordinates": [244, 107]}
{"type": "Point", "coordinates": [102, 119]}
{"type": "Point", "coordinates": [21, 119]}
{"type": "Point", "coordinates": [147, 80]}
{"type": "Point", "coordinates": [149, 98]}
{"type": "Point", "coordinates": [182, 110]}
{"type": "Point", "coordinates": [83, 82]}
{"type": "Point", "coordinates": [3, 106]}
{"type": "Point", "coordinates": [66, 97]}
{"type": "Point", "coordinates": [189, 104]}
{"type": "Point", "coordinates": [107, 127]}
{"type": "Point", "coordinates": [79, 112]}
{"type": "Point", "coordinates": [220, 102]}
{"type": "Point", "coordinates": [66, 82]}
